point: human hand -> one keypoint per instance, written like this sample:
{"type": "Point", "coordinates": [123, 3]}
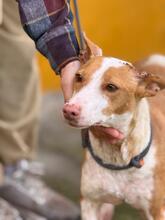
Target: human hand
{"type": "Point", "coordinates": [67, 78]}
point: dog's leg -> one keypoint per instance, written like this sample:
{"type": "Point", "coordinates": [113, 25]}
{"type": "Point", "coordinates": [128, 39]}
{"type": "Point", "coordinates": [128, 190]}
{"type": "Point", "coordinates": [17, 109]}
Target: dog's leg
{"type": "Point", "coordinates": [89, 210]}
{"type": "Point", "coordinates": [106, 211]}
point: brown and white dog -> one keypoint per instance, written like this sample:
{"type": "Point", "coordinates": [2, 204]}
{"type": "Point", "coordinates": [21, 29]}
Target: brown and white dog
{"type": "Point", "coordinates": [113, 93]}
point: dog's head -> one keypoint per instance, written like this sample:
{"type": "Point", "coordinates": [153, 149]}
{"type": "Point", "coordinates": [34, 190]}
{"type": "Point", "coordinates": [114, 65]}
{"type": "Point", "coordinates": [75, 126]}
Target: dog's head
{"type": "Point", "coordinates": [106, 92]}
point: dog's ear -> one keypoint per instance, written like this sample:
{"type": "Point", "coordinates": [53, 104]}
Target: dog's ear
{"type": "Point", "coordinates": [149, 84]}
{"type": "Point", "coordinates": [91, 50]}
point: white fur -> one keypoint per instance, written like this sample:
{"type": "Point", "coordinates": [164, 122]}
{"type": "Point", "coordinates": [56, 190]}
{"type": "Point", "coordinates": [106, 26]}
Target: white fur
{"type": "Point", "coordinates": [134, 186]}
{"type": "Point", "coordinates": [156, 59]}
{"type": "Point", "coordinates": [90, 98]}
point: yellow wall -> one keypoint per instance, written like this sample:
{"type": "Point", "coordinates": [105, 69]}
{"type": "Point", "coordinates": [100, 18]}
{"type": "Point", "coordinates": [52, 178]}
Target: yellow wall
{"type": "Point", "coordinates": [128, 29]}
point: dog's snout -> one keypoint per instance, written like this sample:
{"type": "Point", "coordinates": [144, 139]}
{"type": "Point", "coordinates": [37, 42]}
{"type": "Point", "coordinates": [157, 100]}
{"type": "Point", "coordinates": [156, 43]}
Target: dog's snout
{"type": "Point", "coordinates": [71, 111]}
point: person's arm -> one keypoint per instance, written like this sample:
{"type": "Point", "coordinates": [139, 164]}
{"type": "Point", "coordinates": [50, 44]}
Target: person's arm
{"type": "Point", "coordinates": [49, 24]}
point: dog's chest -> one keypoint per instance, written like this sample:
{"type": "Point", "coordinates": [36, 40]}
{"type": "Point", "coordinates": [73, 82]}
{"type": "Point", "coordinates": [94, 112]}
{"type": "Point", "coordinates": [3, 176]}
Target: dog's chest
{"type": "Point", "coordinates": [134, 186]}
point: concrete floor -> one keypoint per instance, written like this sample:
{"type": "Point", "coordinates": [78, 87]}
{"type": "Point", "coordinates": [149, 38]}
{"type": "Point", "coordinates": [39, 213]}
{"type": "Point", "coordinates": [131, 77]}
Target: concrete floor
{"type": "Point", "coordinates": [61, 152]}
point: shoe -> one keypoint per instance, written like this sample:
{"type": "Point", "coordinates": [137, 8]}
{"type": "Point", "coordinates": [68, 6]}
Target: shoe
{"type": "Point", "coordinates": [24, 189]}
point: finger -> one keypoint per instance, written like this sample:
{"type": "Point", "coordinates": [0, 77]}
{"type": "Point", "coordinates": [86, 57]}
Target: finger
{"type": "Point", "coordinates": [67, 78]}
{"type": "Point", "coordinates": [67, 86]}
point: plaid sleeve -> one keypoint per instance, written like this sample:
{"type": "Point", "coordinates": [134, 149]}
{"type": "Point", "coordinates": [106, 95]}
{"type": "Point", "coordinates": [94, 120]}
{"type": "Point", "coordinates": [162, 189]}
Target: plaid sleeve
{"type": "Point", "coordinates": [49, 24]}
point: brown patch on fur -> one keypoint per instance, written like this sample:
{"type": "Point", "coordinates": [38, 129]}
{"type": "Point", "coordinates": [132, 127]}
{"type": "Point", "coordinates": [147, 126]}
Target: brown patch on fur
{"type": "Point", "coordinates": [86, 71]}
{"type": "Point", "coordinates": [157, 109]}
{"type": "Point", "coordinates": [123, 99]}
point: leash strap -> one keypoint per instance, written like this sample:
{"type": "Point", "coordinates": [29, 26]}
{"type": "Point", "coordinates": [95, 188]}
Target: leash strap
{"type": "Point", "coordinates": [135, 161]}
{"type": "Point", "coordinates": [79, 28]}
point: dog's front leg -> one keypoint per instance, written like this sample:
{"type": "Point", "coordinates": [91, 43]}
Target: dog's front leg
{"type": "Point", "coordinates": [89, 210]}
{"type": "Point", "coordinates": [106, 211]}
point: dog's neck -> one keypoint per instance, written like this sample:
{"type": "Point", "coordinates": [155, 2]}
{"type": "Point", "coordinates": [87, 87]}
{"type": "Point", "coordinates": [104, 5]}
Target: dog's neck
{"type": "Point", "coordinates": [137, 130]}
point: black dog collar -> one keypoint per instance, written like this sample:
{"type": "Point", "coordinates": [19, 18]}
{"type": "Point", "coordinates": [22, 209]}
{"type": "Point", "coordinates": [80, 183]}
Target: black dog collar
{"type": "Point", "coordinates": [136, 161]}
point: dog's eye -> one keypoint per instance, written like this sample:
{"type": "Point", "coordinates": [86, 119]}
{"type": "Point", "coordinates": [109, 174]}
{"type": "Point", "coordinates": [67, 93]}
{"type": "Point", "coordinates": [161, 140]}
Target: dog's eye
{"type": "Point", "coordinates": [78, 77]}
{"type": "Point", "coordinates": [111, 88]}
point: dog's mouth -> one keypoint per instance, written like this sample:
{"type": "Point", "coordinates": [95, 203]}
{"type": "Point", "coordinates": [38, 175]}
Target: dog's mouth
{"type": "Point", "coordinates": [76, 124]}
{"type": "Point", "coordinates": [72, 124]}
{"type": "Point", "coordinates": [81, 125]}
